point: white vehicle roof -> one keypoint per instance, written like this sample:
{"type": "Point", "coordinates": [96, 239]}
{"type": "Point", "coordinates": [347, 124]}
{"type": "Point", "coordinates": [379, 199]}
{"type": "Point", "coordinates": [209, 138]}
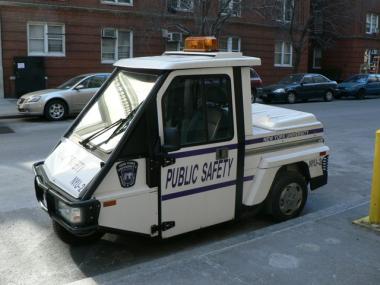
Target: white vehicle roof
{"type": "Point", "coordinates": [189, 60]}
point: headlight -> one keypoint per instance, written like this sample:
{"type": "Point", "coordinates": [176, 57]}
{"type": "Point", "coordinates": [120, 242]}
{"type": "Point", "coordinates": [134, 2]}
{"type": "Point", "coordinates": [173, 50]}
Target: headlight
{"type": "Point", "coordinates": [70, 214]}
{"type": "Point", "coordinates": [33, 99]}
{"type": "Point", "coordinates": [279, 90]}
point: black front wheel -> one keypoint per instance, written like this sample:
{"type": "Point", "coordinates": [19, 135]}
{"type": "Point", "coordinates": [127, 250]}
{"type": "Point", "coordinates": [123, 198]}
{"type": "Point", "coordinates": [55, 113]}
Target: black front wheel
{"type": "Point", "coordinates": [361, 94]}
{"type": "Point", "coordinates": [253, 95]}
{"type": "Point", "coordinates": [72, 239]}
{"type": "Point", "coordinates": [291, 98]}
{"type": "Point", "coordinates": [287, 196]}
{"type": "Point", "coordinates": [329, 96]}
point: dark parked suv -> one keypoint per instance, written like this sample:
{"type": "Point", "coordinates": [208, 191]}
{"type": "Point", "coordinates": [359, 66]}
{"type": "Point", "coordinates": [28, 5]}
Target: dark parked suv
{"type": "Point", "coordinates": [301, 86]}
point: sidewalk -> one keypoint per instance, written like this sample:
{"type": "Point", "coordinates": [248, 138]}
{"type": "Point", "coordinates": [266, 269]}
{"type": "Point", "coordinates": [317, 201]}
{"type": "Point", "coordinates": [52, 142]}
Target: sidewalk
{"type": "Point", "coordinates": [8, 109]}
{"type": "Point", "coordinates": [320, 248]}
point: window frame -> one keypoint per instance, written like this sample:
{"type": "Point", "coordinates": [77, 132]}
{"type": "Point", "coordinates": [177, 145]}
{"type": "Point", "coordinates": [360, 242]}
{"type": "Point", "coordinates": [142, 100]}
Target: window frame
{"type": "Point", "coordinates": [204, 108]}
{"type": "Point", "coordinates": [231, 7]}
{"type": "Point", "coordinates": [178, 6]}
{"type": "Point", "coordinates": [282, 15]}
{"type": "Point", "coordinates": [46, 52]}
{"type": "Point", "coordinates": [116, 48]}
{"type": "Point", "coordinates": [373, 25]}
{"type": "Point", "coordinates": [282, 53]}
{"type": "Point", "coordinates": [315, 57]}
{"type": "Point", "coordinates": [116, 2]}
{"type": "Point", "coordinates": [229, 42]}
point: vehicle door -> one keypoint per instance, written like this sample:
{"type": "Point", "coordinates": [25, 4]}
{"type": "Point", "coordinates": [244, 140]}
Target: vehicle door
{"type": "Point", "coordinates": [377, 91]}
{"type": "Point", "coordinates": [198, 184]}
{"type": "Point", "coordinates": [372, 84]}
{"type": "Point", "coordinates": [322, 84]}
{"type": "Point", "coordinates": [307, 89]}
{"type": "Point", "coordinates": [87, 88]}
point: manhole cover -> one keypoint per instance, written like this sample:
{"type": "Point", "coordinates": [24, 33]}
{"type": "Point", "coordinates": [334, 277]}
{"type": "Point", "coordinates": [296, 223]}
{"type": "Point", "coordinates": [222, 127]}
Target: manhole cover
{"type": "Point", "coordinates": [5, 130]}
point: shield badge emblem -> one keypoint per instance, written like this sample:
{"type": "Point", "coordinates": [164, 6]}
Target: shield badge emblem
{"type": "Point", "coordinates": [127, 171]}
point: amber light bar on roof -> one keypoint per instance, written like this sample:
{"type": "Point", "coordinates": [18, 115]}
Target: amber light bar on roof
{"type": "Point", "coordinates": [201, 44]}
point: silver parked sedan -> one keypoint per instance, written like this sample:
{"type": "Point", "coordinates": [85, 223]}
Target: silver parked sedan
{"type": "Point", "coordinates": [68, 98]}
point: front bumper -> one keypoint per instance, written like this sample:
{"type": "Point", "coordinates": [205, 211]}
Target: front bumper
{"type": "Point", "coordinates": [33, 108]}
{"type": "Point", "coordinates": [345, 92]}
{"type": "Point", "coordinates": [268, 95]}
{"type": "Point", "coordinates": [48, 195]}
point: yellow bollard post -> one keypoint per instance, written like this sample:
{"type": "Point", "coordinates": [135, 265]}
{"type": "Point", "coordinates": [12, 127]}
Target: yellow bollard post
{"type": "Point", "coordinates": [374, 210]}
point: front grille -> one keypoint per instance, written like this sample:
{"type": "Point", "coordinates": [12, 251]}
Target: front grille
{"type": "Point", "coordinates": [325, 163]}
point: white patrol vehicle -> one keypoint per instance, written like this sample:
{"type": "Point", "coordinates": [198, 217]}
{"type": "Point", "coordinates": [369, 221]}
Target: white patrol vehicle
{"type": "Point", "coordinates": [172, 143]}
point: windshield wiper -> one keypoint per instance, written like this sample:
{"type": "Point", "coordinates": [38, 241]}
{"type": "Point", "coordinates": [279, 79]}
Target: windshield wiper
{"type": "Point", "coordinates": [85, 141]}
{"type": "Point", "coordinates": [121, 126]}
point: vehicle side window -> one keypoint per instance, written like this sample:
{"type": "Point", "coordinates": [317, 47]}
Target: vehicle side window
{"type": "Point", "coordinates": [372, 79]}
{"type": "Point", "coordinates": [95, 81]}
{"type": "Point", "coordinates": [308, 79]}
{"type": "Point", "coordinates": [200, 108]}
{"type": "Point", "coordinates": [320, 79]}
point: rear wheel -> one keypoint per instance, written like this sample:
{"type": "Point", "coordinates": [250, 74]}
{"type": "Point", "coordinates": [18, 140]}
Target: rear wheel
{"type": "Point", "coordinates": [287, 197]}
{"type": "Point", "coordinates": [69, 238]}
{"type": "Point", "coordinates": [361, 94]}
{"type": "Point", "coordinates": [329, 96]}
{"type": "Point", "coordinates": [291, 98]}
{"type": "Point", "coordinates": [55, 110]}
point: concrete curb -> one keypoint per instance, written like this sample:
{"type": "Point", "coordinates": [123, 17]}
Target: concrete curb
{"type": "Point", "coordinates": [12, 116]}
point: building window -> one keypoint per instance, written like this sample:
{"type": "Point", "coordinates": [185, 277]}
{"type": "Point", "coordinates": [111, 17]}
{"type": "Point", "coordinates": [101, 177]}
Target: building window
{"type": "Point", "coordinates": [230, 44]}
{"type": "Point", "coordinates": [372, 24]}
{"type": "Point", "coordinates": [285, 10]}
{"type": "Point", "coordinates": [231, 7]}
{"type": "Point", "coordinates": [118, 2]}
{"type": "Point", "coordinates": [46, 39]}
{"type": "Point", "coordinates": [116, 44]}
{"type": "Point", "coordinates": [283, 54]}
{"type": "Point", "coordinates": [181, 5]}
{"type": "Point", "coordinates": [317, 58]}
{"type": "Point", "coordinates": [174, 41]}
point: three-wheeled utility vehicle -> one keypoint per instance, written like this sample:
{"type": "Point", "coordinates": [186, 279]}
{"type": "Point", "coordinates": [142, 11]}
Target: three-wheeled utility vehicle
{"type": "Point", "coordinates": [172, 143]}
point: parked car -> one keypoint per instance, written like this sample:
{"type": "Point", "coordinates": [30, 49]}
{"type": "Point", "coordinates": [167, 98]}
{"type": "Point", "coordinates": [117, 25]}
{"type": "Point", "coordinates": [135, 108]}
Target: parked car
{"type": "Point", "coordinates": [359, 86]}
{"type": "Point", "coordinates": [68, 98]}
{"type": "Point", "coordinates": [301, 86]}
{"type": "Point", "coordinates": [256, 85]}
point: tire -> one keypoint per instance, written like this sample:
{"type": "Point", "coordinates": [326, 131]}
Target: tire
{"type": "Point", "coordinates": [291, 98]}
{"type": "Point", "coordinates": [56, 110]}
{"type": "Point", "coordinates": [266, 100]}
{"type": "Point", "coordinates": [253, 95]}
{"type": "Point", "coordinates": [361, 94]}
{"type": "Point", "coordinates": [329, 96]}
{"type": "Point", "coordinates": [287, 196]}
{"type": "Point", "coordinates": [71, 239]}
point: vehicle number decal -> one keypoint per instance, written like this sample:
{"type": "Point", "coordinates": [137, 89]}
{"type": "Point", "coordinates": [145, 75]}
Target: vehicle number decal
{"type": "Point", "coordinates": [316, 162]}
{"type": "Point", "coordinates": [127, 171]}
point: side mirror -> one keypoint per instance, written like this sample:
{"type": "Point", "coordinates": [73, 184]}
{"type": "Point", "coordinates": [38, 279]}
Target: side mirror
{"type": "Point", "coordinates": [172, 140]}
{"type": "Point", "coordinates": [78, 87]}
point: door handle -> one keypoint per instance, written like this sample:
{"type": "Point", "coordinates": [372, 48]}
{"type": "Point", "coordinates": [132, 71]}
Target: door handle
{"type": "Point", "coordinates": [221, 153]}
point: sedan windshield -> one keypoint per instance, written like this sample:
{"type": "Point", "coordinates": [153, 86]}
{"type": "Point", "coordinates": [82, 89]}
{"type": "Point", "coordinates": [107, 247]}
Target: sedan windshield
{"type": "Point", "coordinates": [72, 82]}
{"type": "Point", "coordinates": [294, 78]}
{"type": "Point", "coordinates": [105, 122]}
{"type": "Point", "coordinates": [357, 79]}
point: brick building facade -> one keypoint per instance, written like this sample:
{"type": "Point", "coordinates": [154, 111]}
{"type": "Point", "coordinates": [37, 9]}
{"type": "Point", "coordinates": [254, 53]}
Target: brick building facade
{"type": "Point", "coordinates": [73, 37]}
{"type": "Point", "coordinates": [357, 49]}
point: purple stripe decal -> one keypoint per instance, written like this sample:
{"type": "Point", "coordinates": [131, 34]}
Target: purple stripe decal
{"type": "Point", "coordinates": [202, 189]}
{"type": "Point", "coordinates": [196, 152]}
{"type": "Point", "coordinates": [284, 136]}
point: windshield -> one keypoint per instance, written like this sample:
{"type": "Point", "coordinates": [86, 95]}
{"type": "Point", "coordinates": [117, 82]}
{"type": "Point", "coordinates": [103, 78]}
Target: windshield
{"type": "Point", "coordinates": [357, 79]}
{"type": "Point", "coordinates": [105, 122]}
{"type": "Point", "coordinates": [294, 78]}
{"type": "Point", "coordinates": [72, 82]}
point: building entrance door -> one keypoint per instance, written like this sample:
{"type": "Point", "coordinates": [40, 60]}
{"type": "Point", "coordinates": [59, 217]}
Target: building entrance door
{"type": "Point", "coordinates": [29, 74]}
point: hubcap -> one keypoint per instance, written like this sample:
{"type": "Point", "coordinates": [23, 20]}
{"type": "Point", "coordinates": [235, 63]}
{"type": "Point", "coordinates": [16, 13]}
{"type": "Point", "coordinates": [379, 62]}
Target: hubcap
{"type": "Point", "coordinates": [329, 96]}
{"type": "Point", "coordinates": [291, 199]}
{"type": "Point", "coordinates": [56, 111]}
{"type": "Point", "coordinates": [291, 98]}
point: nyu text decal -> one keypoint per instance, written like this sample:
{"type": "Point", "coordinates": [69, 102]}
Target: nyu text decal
{"type": "Point", "coordinates": [191, 174]}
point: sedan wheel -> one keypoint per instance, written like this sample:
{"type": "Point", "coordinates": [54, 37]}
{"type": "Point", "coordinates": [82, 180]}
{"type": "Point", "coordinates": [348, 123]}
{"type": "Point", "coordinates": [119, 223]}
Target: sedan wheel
{"type": "Point", "coordinates": [291, 98]}
{"type": "Point", "coordinates": [55, 110]}
{"type": "Point", "coordinates": [329, 96]}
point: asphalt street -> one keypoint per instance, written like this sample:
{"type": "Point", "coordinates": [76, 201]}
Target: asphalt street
{"type": "Point", "coordinates": [31, 254]}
